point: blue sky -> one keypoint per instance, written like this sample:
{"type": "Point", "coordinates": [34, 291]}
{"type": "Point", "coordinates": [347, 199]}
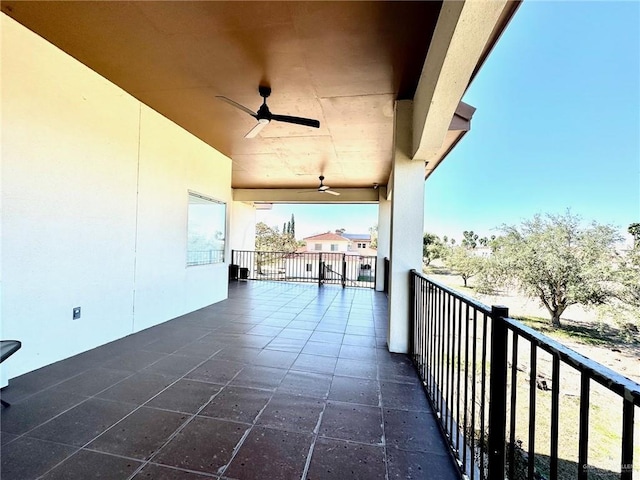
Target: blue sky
{"type": "Point", "coordinates": [557, 126]}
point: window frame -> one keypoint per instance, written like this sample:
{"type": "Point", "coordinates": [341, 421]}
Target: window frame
{"type": "Point", "coordinates": [218, 223]}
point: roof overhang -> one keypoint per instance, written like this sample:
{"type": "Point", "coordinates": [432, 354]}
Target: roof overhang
{"type": "Point", "coordinates": [344, 63]}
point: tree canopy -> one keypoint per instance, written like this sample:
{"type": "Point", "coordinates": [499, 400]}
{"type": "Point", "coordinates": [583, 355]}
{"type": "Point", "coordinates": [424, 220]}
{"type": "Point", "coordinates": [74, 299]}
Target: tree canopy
{"type": "Point", "coordinates": [432, 248]}
{"type": "Point", "coordinates": [269, 239]}
{"type": "Point", "coordinates": [634, 230]}
{"type": "Point", "coordinates": [462, 261]}
{"type": "Point", "coordinates": [556, 260]}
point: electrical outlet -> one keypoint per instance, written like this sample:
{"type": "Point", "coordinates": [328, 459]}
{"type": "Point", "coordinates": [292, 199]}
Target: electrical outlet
{"type": "Point", "coordinates": [76, 313]}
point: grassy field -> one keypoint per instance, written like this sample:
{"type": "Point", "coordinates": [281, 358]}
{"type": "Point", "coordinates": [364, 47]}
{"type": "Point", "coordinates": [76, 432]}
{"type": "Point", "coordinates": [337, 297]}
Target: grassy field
{"type": "Point", "coordinates": [584, 332]}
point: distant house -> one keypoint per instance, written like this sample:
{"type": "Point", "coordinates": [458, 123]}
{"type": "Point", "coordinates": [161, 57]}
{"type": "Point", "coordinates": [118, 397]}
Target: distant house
{"type": "Point", "coordinates": [326, 242]}
{"type": "Point", "coordinates": [341, 253]}
{"type": "Point", "coordinates": [358, 240]}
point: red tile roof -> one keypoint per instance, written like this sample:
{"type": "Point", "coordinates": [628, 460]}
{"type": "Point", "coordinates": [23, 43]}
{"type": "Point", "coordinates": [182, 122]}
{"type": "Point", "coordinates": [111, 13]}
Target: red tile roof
{"type": "Point", "coordinates": [327, 236]}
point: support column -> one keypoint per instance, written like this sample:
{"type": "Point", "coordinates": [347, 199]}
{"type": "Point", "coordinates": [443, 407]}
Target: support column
{"type": "Point", "coordinates": [384, 227]}
{"type": "Point", "coordinates": [407, 224]}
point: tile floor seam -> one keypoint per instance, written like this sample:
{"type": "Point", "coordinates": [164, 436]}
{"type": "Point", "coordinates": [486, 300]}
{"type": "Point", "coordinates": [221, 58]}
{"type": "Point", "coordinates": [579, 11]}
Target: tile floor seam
{"type": "Point", "coordinates": [63, 460]}
{"type": "Point", "coordinates": [188, 420]}
{"type": "Point", "coordinates": [101, 366]}
{"type": "Point", "coordinates": [47, 388]}
{"type": "Point", "coordinates": [179, 469]}
{"type": "Point", "coordinates": [172, 353]}
{"type": "Point", "coordinates": [316, 433]}
{"type": "Point", "coordinates": [236, 449]}
{"type": "Point", "coordinates": [331, 302]}
{"type": "Point", "coordinates": [26, 434]}
{"type": "Point", "coordinates": [384, 436]}
{"type": "Point", "coordinates": [118, 422]}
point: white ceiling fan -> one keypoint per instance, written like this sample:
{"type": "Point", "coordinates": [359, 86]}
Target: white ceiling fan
{"type": "Point", "coordinates": [264, 115]}
{"type": "Point", "coordinates": [322, 188]}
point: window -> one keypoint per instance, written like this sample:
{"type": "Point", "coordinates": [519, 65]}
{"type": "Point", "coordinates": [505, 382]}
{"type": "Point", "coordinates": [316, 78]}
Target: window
{"type": "Point", "coordinates": [309, 267]}
{"type": "Point", "coordinates": [317, 246]}
{"type": "Point", "coordinates": [334, 247]}
{"type": "Point", "coordinates": [206, 230]}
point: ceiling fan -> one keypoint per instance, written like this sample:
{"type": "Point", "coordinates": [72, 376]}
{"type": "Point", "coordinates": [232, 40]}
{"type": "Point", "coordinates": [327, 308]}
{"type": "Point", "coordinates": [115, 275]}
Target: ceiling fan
{"type": "Point", "coordinates": [322, 188]}
{"type": "Point", "coordinates": [264, 116]}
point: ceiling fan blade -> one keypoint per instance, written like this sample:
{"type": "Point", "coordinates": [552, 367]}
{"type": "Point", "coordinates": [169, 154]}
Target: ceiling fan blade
{"type": "Point", "coordinates": [257, 129]}
{"type": "Point", "coordinates": [237, 105]}
{"type": "Point", "coordinates": [331, 192]}
{"type": "Point", "coordinates": [297, 120]}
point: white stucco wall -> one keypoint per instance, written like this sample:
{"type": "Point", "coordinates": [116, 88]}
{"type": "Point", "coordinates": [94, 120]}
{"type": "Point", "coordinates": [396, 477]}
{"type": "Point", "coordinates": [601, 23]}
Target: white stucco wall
{"type": "Point", "coordinates": [94, 207]}
{"type": "Point", "coordinates": [243, 234]}
{"type": "Point", "coordinates": [342, 245]}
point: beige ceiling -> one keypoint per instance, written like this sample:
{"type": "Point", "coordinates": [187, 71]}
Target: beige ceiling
{"type": "Point", "coordinates": [343, 63]}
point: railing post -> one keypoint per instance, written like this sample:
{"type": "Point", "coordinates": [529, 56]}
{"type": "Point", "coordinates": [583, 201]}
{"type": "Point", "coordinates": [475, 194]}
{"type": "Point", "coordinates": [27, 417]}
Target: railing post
{"type": "Point", "coordinates": [412, 312]}
{"type": "Point", "coordinates": [497, 394]}
{"type": "Point", "coordinates": [344, 270]}
{"type": "Point", "coordinates": [320, 270]}
{"type": "Point", "coordinates": [233, 256]}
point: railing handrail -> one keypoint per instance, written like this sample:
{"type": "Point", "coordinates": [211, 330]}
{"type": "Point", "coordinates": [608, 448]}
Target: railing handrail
{"type": "Point", "coordinates": [460, 296]}
{"type": "Point", "coordinates": [606, 377]}
{"type": "Point", "coordinates": [351, 269]}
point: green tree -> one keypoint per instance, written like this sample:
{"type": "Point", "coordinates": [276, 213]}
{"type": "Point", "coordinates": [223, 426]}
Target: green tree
{"type": "Point", "coordinates": [269, 239]}
{"type": "Point", "coordinates": [470, 239]}
{"type": "Point", "coordinates": [292, 226]}
{"type": "Point", "coordinates": [630, 272]}
{"type": "Point", "coordinates": [554, 259]}
{"type": "Point", "coordinates": [461, 261]}
{"type": "Point", "coordinates": [432, 248]}
{"type": "Point", "coordinates": [373, 231]}
{"type": "Point", "coordinates": [634, 230]}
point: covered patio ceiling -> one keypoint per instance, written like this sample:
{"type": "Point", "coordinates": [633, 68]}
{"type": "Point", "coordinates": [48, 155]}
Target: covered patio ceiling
{"type": "Point", "coordinates": [343, 63]}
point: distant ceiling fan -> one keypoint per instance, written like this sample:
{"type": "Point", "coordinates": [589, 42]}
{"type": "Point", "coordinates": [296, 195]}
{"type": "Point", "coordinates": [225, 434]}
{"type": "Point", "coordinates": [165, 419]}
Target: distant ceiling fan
{"type": "Point", "coordinates": [322, 188]}
{"type": "Point", "coordinates": [264, 116]}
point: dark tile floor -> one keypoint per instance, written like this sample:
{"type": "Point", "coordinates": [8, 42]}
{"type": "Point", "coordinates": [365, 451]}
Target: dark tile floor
{"type": "Point", "coordinates": [280, 381]}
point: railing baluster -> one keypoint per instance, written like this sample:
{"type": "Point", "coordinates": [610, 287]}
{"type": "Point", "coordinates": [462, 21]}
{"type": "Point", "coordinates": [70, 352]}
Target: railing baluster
{"type": "Point", "coordinates": [442, 339]}
{"type": "Point", "coordinates": [452, 363]}
{"type": "Point", "coordinates": [498, 393]}
{"type": "Point", "coordinates": [555, 410]}
{"type": "Point", "coordinates": [583, 441]}
{"type": "Point", "coordinates": [447, 385]}
{"type": "Point", "coordinates": [483, 396]}
{"type": "Point", "coordinates": [466, 389]}
{"type": "Point", "coordinates": [438, 355]}
{"type": "Point", "coordinates": [424, 340]}
{"type": "Point", "coordinates": [514, 389]}
{"type": "Point", "coordinates": [432, 337]}
{"type": "Point", "coordinates": [473, 394]}
{"type": "Point", "coordinates": [533, 363]}
{"type": "Point", "coordinates": [626, 467]}
{"type": "Point", "coordinates": [458, 378]}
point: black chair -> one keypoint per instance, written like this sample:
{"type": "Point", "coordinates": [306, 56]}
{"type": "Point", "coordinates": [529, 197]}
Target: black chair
{"type": "Point", "coordinates": [8, 348]}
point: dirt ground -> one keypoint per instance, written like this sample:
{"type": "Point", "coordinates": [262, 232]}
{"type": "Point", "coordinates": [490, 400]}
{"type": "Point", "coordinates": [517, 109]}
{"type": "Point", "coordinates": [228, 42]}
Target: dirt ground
{"type": "Point", "coordinates": [612, 350]}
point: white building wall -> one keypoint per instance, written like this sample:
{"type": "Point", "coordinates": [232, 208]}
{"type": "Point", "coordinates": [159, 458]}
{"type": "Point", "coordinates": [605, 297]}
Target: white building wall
{"type": "Point", "coordinates": [94, 207]}
{"type": "Point", "coordinates": [172, 162]}
{"type": "Point", "coordinates": [243, 218]}
{"type": "Point", "coordinates": [342, 246]}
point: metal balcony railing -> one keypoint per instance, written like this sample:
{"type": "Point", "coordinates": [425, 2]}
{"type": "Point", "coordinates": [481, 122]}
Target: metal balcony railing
{"type": "Point", "coordinates": [348, 270]}
{"type": "Point", "coordinates": [484, 375]}
{"type": "Point", "coordinates": [204, 257]}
